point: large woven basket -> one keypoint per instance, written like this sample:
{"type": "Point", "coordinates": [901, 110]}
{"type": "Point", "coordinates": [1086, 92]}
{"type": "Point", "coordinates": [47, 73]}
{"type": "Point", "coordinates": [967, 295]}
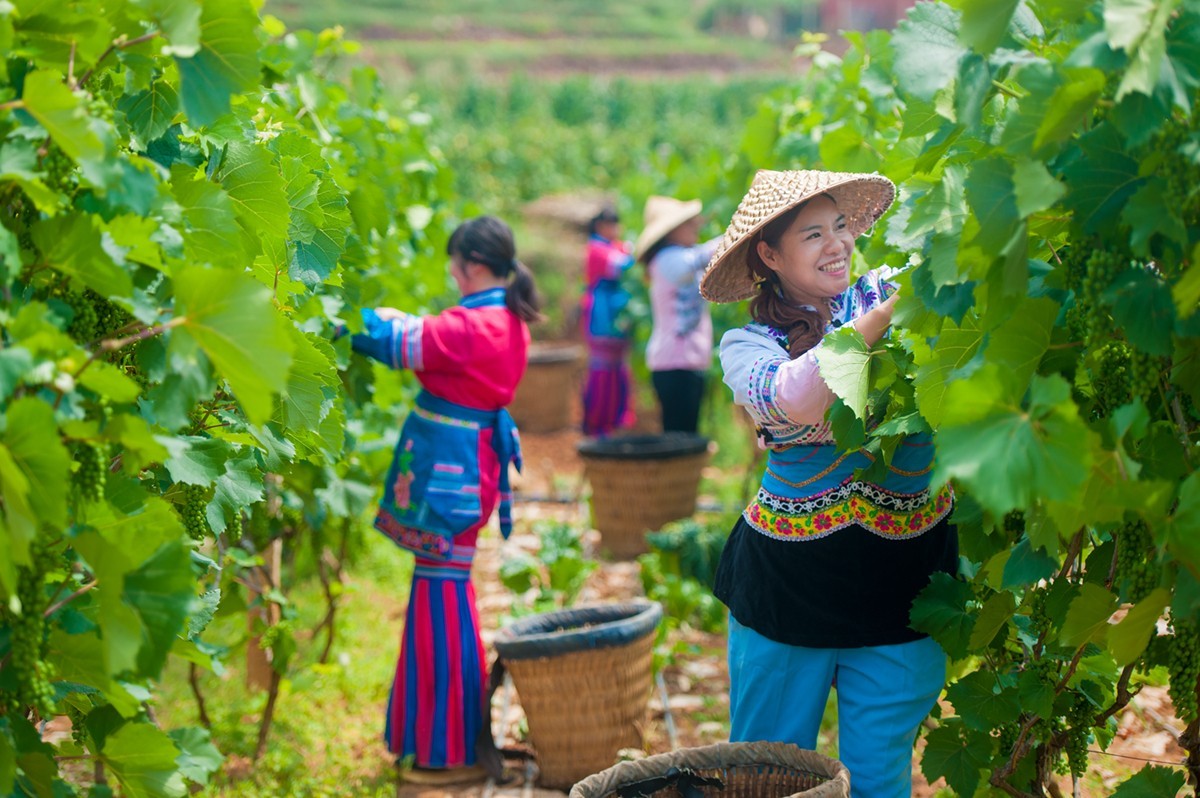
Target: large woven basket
{"type": "Point", "coordinates": [584, 679]}
{"type": "Point", "coordinates": [639, 483]}
{"type": "Point", "coordinates": [747, 770]}
{"type": "Point", "coordinates": [543, 399]}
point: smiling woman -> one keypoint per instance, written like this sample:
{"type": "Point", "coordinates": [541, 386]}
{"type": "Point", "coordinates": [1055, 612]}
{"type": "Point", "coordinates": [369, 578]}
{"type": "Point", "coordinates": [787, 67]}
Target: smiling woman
{"type": "Point", "coordinates": [821, 570]}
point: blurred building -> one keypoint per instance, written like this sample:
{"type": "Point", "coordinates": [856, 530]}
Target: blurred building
{"type": "Point", "coordinates": [835, 15]}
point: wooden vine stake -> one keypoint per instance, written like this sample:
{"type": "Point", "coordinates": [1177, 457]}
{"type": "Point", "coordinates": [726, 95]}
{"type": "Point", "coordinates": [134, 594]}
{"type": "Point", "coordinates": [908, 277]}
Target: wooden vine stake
{"type": "Point", "coordinates": [264, 615]}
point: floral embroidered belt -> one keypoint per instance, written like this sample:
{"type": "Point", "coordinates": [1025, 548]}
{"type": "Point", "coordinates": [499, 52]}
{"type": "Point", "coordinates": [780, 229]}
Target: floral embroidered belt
{"type": "Point", "coordinates": [810, 492]}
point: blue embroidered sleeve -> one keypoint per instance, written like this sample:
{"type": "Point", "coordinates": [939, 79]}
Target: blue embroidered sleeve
{"type": "Point", "coordinates": [396, 342]}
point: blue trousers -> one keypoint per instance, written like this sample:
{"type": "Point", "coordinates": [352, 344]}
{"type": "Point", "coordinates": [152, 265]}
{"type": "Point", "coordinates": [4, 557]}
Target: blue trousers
{"type": "Point", "coordinates": [777, 693]}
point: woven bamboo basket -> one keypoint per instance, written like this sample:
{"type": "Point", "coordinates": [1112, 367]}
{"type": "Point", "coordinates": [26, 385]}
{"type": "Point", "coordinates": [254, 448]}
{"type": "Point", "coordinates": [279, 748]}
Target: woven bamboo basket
{"type": "Point", "coordinates": [745, 770]}
{"type": "Point", "coordinates": [543, 399]}
{"type": "Point", "coordinates": [584, 679]}
{"type": "Point", "coordinates": [639, 483]}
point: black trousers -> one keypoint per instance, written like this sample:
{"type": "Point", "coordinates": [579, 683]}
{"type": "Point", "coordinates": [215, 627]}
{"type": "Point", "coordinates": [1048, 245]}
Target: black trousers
{"type": "Point", "coordinates": [679, 394]}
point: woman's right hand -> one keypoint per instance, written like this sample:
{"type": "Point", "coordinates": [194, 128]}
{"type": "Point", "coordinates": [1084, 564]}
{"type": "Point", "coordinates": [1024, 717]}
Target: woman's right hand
{"type": "Point", "coordinates": [874, 323]}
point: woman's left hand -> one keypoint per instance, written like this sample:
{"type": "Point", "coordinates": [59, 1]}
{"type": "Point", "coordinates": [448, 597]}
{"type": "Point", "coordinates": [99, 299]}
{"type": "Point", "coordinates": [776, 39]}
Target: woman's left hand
{"type": "Point", "coordinates": [389, 314]}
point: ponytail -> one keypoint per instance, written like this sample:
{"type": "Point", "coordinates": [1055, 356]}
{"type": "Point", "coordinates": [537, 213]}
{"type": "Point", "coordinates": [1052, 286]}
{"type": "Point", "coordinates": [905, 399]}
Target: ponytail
{"type": "Point", "coordinates": [804, 324]}
{"type": "Point", "coordinates": [522, 295]}
{"type": "Point", "coordinates": [489, 241]}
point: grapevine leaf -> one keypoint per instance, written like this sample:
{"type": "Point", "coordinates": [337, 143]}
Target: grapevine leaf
{"type": "Point", "coordinates": [231, 318]}
{"type": "Point", "coordinates": [981, 703]}
{"type": "Point", "coordinates": [55, 34]}
{"type": "Point", "coordinates": [238, 488]}
{"type": "Point", "coordinates": [1028, 564]}
{"type": "Point", "coordinates": [846, 148]}
{"type": "Point", "coordinates": [63, 115]}
{"type": "Point", "coordinates": [151, 111]}
{"type": "Point", "coordinates": [109, 381]}
{"type": "Point", "coordinates": [179, 21]}
{"type": "Point", "coordinates": [1128, 639]}
{"type": "Point", "coordinates": [938, 369]}
{"type": "Point", "coordinates": [941, 611]}
{"type": "Point", "coordinates": [143, 759]}
{"type": "Point", "coordinates": [953, 753]}
{"type": "Point", "coordinates": [18, 164]}
{"type": "Point", "coordinates": [314, 259]}
{"type": "Point", "coordinates": [80, 658]}
{"type": "Point", "coordinates": [994, 616]}
{"type": "Point", "coordinates": [195, 460]}
{"type": "Point", "coordinates": [1018, 345]}
{"type": "Point", "coordinates": [198, 757]}
{"type": "Point", "coordinates": [1186, 292]}
{"type": "Point", "coordinates": [1143, 307]}
{"type": "Point", "coordinates": [974, 89]}
{"type": "Point", "coordinates": [72, 244]}
{"type": "Point", "coordinates": [311, 386]}
{"type": "Point", "coordinates": [1034, 187]}
{"type": "Point", "coordinates": [1181, 531]}
{"type": "Point", "coordinates": [926, 49]}
{"type": "Point", "coordinates": [845, 362]}
{"type": "Point", "coordinates": [1070, 106]}
{"type": "Point", "coordinates": [34, 466]}
{"type": "Point", "coordinates": [1036, 695]}
{"type": "Point", "coordinates": [1100, 183]}
{"type": "Point", "coordinates": [8, 757]}
{"type": "Point", "coordinates": [1144, 38]}
{"type": "Point", "coordinates": [161, 591]}
{"type": "Point", "coordinates": [1148, 214]}
{"type": "Point", "coordinates": [1087, 618]}
{"type": "Point", "coordinates": [226, 63]}
{"type": "Point", "coordinates": [15, 365]}
{"type": "Point", "coordinates": [257, 189]}
{"type": "Point", "coordinates": [984, 23]}
{"type": "Point", "coordinates": [1009, 457]}
{"type": "Point", "coordinates": [209, 217]}
{"type": "Point", "coordinates": [1151, 782]}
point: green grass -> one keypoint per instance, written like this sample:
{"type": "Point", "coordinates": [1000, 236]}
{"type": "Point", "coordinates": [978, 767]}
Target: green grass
{"type": "Point", "coordinates": [326, 739]}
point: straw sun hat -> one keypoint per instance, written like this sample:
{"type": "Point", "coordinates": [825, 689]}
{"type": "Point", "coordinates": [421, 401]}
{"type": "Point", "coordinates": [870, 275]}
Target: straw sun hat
{"type": "Point", "coordinates": [862, 198]}
{"type": "Point", "coordinates": [662, 215]}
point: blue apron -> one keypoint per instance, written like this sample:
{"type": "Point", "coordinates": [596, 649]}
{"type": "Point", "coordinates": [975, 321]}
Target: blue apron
{"type": "Point", "coordinates": [432, 492]}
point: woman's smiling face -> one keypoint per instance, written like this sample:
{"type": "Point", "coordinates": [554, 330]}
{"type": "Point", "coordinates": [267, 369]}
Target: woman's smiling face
{"type": "Point", "coordinates": [812, 257]}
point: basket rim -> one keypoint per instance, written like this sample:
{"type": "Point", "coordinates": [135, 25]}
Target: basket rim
{"type": "Point", "coordinates": [720, 756]}
{"type": "Point", "coordinates": [582, 628]}
{"type": "Point", "coordinates": [644, 447]}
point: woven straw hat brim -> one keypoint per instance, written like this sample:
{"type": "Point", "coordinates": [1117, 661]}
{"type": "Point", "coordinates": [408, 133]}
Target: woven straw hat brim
{"type": "Point", "coordinates": [863, 198]}
{"type": "Point", "coordinates": [664, 222]}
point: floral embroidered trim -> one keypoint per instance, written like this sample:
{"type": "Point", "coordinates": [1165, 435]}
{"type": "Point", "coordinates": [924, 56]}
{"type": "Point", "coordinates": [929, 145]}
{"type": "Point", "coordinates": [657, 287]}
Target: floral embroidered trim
{"type": "Point", "coordinates": [889, 515]}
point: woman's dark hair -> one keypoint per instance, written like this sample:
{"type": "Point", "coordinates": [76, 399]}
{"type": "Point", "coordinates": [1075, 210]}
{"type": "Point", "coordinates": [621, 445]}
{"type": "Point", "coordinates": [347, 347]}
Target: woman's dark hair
{"type": "Point", "coordinates": [804, 327]}
{"type": "Point", "coordinates": [606, 214]}
{"type": "Point", "coordinates": [489, 241]}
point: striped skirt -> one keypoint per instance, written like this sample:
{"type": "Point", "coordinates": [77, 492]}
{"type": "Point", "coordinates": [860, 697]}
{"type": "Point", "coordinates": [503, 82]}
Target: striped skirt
{"type": "Point", "coordinates": [436, 709]}
{"type": "Point", "coordinates": [606, 394]}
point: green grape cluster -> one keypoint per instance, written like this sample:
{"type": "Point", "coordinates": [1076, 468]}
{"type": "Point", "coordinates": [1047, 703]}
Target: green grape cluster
{"type": "Point", "coordinates": [59, 169]}
{"type": "Point", "coordinates": [1182, 174]}
{"type": "Point", "coordinates": [1006, 737]}
{"type": "Point", "coordinates": [1014, 522]}
{"type": "Point", "coordinates": [1078, 734]}
{"type": "Point", "coordinates": [1110, 378]}
{"type": "Point", "coordinates": [84, 321]}
{"type": "Point", "coordinates": [1137, 574]}
{"type": "Point", "coordinates": [1143, 375]}
{"type": "Point", "coordinates": [33, 673]}
{"type": "Point", "coordinates": [110, 317]}
{"type": "Point", "coordinates": [1039, 621]}
{"type": "Point", "coordinates": [195, 502]}
{"type": "Point", "coordinates": [1102, 268]}
{"type": "Point", "coordinates": [234, 529]}
{"type": "Point", "coordinates": [92, 462]}
{"type": "Point", "coordinates": [1183, 663]}
{"type": "Point", "coordinates": [78, 720]}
